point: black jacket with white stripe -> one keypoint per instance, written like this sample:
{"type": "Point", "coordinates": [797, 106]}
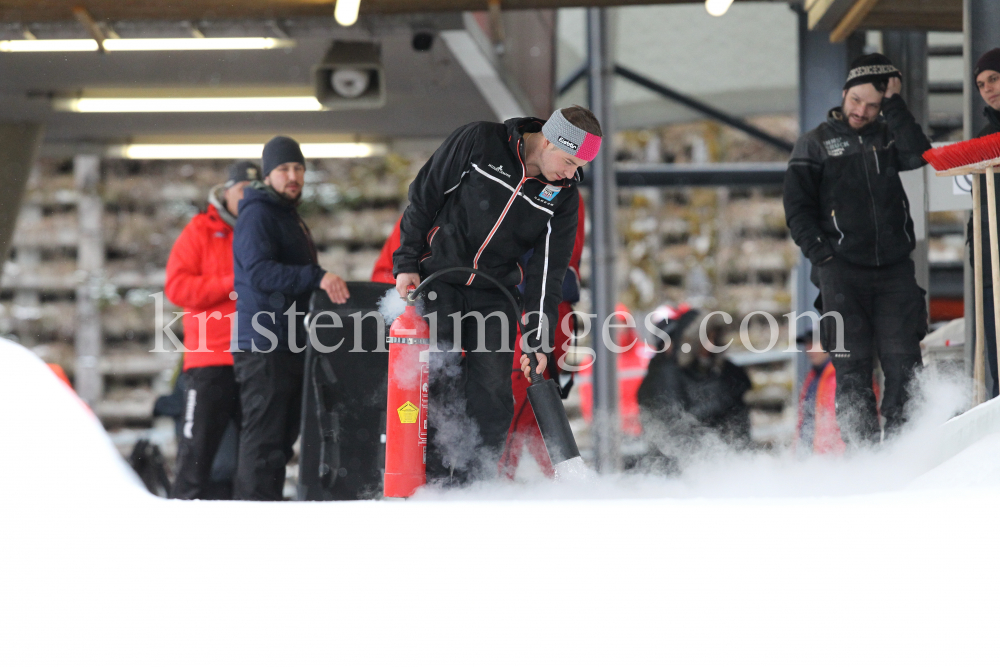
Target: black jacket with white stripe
{"type": "Point", "coordinates": [843, 195]}
{"type": "Point", "coordinates": [473, 205]}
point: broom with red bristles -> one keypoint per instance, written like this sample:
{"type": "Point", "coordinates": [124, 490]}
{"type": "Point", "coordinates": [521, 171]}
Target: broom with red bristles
{"type": "Point", "coordinates": [974, 157]}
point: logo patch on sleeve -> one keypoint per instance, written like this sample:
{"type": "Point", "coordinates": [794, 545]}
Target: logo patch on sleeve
{"type": "Point", "coordinates": [550, 192]}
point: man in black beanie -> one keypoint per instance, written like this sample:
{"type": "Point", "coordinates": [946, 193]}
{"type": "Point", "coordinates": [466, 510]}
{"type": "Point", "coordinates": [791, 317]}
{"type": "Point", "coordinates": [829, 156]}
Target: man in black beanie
{"type": "Point", "coordinates": [276, 270]}
{"type": "Point", "coordinates": [847, 211]}
{"type": "Point", "coordinates": [987, 78]}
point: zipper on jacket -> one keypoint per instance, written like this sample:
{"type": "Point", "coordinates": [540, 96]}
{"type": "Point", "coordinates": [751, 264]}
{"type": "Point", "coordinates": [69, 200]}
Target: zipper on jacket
{"type": "Point", "coordinates": [906, 216]}
{"type": "Point", "coordinates": [833, 214]}
{"type": "Point", "coordinates": [309, 239]}
{"type": "Point", "coordinates": [878, 170]}
{"type": "Point", "coordinates": [510, 202]}
{"type": "Point", "coordinates": [871, 194]}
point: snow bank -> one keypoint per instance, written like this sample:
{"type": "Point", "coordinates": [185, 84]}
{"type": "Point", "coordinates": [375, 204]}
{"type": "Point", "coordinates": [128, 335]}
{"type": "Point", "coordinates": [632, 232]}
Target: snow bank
{"type": "Point", "coordinates": [51, 444]}
{"type": "Point", "coordinates": [94, 571]}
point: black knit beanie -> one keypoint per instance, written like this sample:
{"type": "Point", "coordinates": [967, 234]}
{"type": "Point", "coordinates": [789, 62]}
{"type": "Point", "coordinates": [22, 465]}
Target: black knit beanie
{"type": "Point", "coordinates": [243, 170]}
{"type": "Point", "coordinates": [870, 68]}
{"type": "Point", "coordinates": [988, 61]}
{"type": "Point", "coordinates": [280, 150]}
{"type": "Point", "coordinates": [675, 328]}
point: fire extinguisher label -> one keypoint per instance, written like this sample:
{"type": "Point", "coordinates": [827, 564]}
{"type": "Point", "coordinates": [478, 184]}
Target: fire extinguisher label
{"type": "Point", "coordinates": [397, 340]}
{"type": "Point", "coordinates": [407, 413]}
{"type": "Point", "coordinates": [422, 426]}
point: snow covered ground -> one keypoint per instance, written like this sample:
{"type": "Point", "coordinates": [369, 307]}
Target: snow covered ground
{"type": "Point", "coordinates": [883, 559]}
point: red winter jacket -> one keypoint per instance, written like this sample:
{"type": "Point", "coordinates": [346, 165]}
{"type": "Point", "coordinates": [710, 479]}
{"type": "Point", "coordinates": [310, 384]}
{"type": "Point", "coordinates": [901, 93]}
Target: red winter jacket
{"type": "Point", "coordinates": [200, 279]}
{"type": "Point", "coordinates": [382, 273]}
{"type": "Point", "coordinates": [826, 432]}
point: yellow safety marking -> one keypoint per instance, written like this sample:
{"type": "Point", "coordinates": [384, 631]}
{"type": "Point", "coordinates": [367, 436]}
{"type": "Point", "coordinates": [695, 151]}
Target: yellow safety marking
{"type": "Point", "coordinates": [407, 413]}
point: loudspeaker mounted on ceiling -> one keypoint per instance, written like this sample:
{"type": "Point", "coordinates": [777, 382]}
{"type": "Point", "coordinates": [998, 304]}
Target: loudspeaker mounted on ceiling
{"type": "Point", "coordinates": [350, 76]}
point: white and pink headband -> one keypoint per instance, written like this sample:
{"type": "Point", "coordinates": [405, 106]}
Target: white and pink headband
{"type": "Point", "coordinates": [570, 138]}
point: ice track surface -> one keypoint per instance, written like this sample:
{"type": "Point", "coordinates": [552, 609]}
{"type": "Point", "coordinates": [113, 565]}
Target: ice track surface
{"type": "Point", "coordinates": [890, 559]}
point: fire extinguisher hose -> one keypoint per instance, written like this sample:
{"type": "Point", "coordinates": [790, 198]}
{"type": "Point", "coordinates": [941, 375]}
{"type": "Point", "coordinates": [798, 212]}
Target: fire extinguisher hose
{"type": "Point", "coordinates": [412, 296]}
{"type": "Point", "coordinates": [543, 394]}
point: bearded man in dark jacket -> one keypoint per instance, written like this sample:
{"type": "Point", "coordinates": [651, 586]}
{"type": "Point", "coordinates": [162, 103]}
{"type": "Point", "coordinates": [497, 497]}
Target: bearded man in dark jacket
{"type": "Point", "coordinates": [491, 193]}
{"type": "Point", "coordinates": [847, 211]}
{"type": "Point", "coordinates": [275, 272]}
{"type": "Point", "coordinates": [987, 76]}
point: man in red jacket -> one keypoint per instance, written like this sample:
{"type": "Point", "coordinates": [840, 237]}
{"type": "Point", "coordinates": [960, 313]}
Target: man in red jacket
{"type": "Point", "coordinates": [200, 280]}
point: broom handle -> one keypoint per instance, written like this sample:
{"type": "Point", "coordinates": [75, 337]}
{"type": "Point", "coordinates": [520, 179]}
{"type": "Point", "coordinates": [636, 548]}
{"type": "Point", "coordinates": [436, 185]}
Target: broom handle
{"type": "Point", "coordinates": [979, 376]}
{"type": "Point", "coordinates": [979, 393]}
{"type": "Point", "coordinates": [991, 204]}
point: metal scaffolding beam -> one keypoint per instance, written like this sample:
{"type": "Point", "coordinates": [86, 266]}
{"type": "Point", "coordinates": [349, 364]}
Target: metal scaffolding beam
{"type": "Point", "coordinates": [719, 174]}
{"type": "Point", "coordinates": [908, 51]}
{"type": "Point", "coordinates": [701, 107]}
{"type": "Point", "coordinates": [822, 67]}
{"type": "Point", "coordinates": [603, 240]}
{"type": "Point", "coordinates": [679, 98]}
{"type": "Point", "coordinates": [19, 143]}
{"type": "Point", "coordinates": [982, 33]}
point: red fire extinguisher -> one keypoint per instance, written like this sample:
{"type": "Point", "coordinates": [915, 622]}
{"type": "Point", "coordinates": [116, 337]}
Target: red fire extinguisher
{"type": "Point", "coordinates": [406, 411]}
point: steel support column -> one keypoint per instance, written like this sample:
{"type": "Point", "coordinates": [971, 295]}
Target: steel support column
{"type": "Point", "coordinates": [822, 68]}
{"type": "Point", "coordinates": [603, 239]}
{"type": "Point", "coordinates": [907, 49]}
{"type": "Point", "coordinates": [88, 380]}
{"type": "Point", "coordinates": [19, 143]}
{"type": "Point", "coordinates": [982, 33]}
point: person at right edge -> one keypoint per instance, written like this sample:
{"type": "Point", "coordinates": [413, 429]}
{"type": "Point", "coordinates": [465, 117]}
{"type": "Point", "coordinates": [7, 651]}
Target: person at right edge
{"type": "Point", "coordinates": [847, 211]}
{"type": "Point", "coordinates": [275, 272]}
{"type": "Point", "coordinates": [987, 77]}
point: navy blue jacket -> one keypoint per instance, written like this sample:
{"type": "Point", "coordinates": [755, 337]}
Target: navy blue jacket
{"type": "Point", "coordinates": [274, 261]}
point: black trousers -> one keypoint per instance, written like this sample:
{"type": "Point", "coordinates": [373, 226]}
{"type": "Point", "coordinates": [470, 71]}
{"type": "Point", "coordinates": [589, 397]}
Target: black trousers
{"type": "Point", "coordinates": [470, 399]}
{"type": "Point", "coordinates": [271, 397]}
{"type": "Point", "coordinates": [884, 314]}
{"type": "Point", "coordinates": [211, 402]}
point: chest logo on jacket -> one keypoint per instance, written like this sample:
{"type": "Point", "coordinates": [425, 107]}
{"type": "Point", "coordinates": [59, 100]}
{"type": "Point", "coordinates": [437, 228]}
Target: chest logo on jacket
{"type": "Point", "coordinates": [550, 192]}
{"type": "Point", "coordinates": [499, 170]}
{"type": "Point", "coordinates": [835, 147]}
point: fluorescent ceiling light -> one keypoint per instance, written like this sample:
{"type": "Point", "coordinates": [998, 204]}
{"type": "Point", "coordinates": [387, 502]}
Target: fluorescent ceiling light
{"type": "Point", "coordinates": [182, 44]}
{"type": "Point", "coordinates": [239, 151]}
{"type": "Point", "coordinates": [185, 104]}
{"type": "Point", "coordinates": [717, 7]}
{"type": "Point", "coordinates": [346, 12]}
